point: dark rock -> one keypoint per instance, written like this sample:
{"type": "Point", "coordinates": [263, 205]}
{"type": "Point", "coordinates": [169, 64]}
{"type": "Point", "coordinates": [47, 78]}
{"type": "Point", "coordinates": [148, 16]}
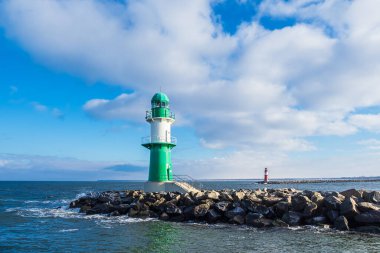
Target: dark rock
{"type": "Point", "coordinates": [281, 207]}
{"type": "Point", "coordinates": [279, 223]}
{"type": "Point", "coordinates": [225, 196]}
{"type": "Point", "coordinates": [177, 218]}
{"type": "Point", "coordinates": [250, 217]}
{"type": "Point", "coordinates": [317, 198]}
{"type": "Point", "coordinates": [262, 210]}
{"type": "Point", "coordinates": [172, 209]}
{"type": "Point", "coordinates": [84, 209]}
{"type": "Point", "coordinates": [367, 206]}
{"type": "Point", "coordinates": [187, 200]}
{"type": "Point", "coordinates": [164, 216]}
{"type": "Point", "coordinates": [238, 196]}
{"type": "Point", "coordinates": [222, 206]}
{"type": "Point", "coordinates": [188, 212]}
{"type": "Point", "coordinates": [101, 208]}
{"type": "Point", "coordinates": [332, 202]}
{"type": "Point", "coordinates": [262, 222]}
{"type": "Point", "coordinates": [115, 213]}
{"type": "Point", "coordinates": [348, 208]}
{"type": "Point", "coordinates": [371, 217]}
{"type": "Point", "coordinates": [373, 197]}
{"type": "Point", "coordinates": [253, 198]}
{"type": "Point", "coordinates": [299, 202]}
{"type": "Point", "coordinates": [237, 219]}
{"type": "Point", "coordinates": [341, 223]}
{"type": "Point", "coordinates": [247, 204]}
{"type": "Point", "coordinates": [133, 212]}
{"type": "Point", "coordinates": [310, 209]}
{"type": "Point", "coordinates": [201, 210]}
{"type": "Point", "coordinates": [352, 192]}
{"type": "Point", "coordinates": [234, 212]}
{"type": "Point", "coordinates": [213, 216]}
{"type": "Point", "coordinates": [270, 201]}
{"type": "Point", "coordinates": [292, 218]}
{"type": "Point", "coordinates": [368, 229]}
{"type": "Point", "coordinates": [317, 220]}
{"type": "Point", "coordinates": [122, 208]}
{"type": "Point", "coordinates": [332, 215]}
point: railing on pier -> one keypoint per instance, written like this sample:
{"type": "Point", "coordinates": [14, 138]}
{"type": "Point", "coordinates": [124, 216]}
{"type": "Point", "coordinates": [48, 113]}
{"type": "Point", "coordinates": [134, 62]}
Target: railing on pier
{"type": "Point", "coordinates": [158, 139]}
{"type": "Point", "coordinates": [187, 179]}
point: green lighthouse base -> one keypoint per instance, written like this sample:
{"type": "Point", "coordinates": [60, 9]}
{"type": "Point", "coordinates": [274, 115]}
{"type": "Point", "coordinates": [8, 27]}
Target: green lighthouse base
{"type": "Point", "coordinates": [169, 186]}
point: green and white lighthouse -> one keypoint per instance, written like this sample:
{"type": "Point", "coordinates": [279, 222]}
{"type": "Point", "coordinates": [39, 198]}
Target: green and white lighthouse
{"type": "Point", "coordinates": [160, 142]}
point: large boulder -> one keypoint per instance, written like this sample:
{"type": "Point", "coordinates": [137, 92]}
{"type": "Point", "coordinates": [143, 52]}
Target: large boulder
{"type": "Point", "coordinates": [253, 198]}
{"type": "Point", "coordinates": [367, 206]}
{"type": "Point", "coordinates": [332, 215]}
{"type": "Point", "coordinates": [235, 212]}
{"type": "Point", "coordinates": [341, 223]}
{"type": "Point", "coordinates": [270, 201]}
{"type": "Point", "coordinates": [281, 207]}
{"type": "Point", "coordinates": [352, 192]}
{"type": "Point", "coordinates": [222, 206]}
{"type": "Point", "coordinates": [332, 202]}
{"type": "Point", "coordinates": [187, 200]}
{"type": "Point", "coordinates": [238, 195]}
{"type": "Point", "coordinates": [201, 210]}
{"type": "Point", "coordinates": [310, 209]}
{"type": "Point", "coordinates": [371, 217]}
{"type": "Point", "coordinates": [292, 218]}
{"type": "Point", "coordinates": [317, 198]}
{"type": "Point", "coordinates": [225, 196]}
{"type": "Point", "coordinates": [214, 195]}
{"type": "Point", "coordinates": [299, 202]}
{"type": "Point", "coordinates": [188, 212]}
{"type": "Point", "coordinates": [373, 196]}
{"type": "Point", "coordinates": [262, 210]}
{"type": "Point", "coordinates": [348, 208]}
{"type": "Point", "coordinates": [238, 219]}
{"type": "Point", "coordinates": [213, 216]}
{"type": "Point", "coordinates": [172, 209]}
{"type": "Point", "coordinates": [250, 217]}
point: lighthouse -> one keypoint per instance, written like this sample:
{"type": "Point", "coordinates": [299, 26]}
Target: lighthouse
{"type": "Point", "coordinates": [160, 143]}
{"type": "Point", "coordinates": [266, 176]}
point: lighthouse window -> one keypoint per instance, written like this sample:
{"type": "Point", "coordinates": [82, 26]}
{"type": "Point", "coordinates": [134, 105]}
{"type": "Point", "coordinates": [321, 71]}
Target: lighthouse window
{"type": "Point", "coordinates": [163, 104]}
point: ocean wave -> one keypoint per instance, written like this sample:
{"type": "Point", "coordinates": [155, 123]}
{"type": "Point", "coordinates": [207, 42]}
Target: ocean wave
{"type": "Point", "coordinates": [68, 230]}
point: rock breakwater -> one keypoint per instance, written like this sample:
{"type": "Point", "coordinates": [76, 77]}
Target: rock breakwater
{"type": "Point", "coordinates": [348, 210]}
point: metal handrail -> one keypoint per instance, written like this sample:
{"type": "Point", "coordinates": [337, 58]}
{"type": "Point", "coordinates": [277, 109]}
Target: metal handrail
{"type": "Point", "coordinates": [158, 139]}
{"type": "Point", "coordinates": [149, 115]}
{"type": "Point", "coordinates": [188, 179]}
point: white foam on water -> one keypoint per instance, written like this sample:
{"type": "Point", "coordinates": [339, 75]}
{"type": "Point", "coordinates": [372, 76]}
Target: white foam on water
{"type": "Point", "coordinates": [68, 230]}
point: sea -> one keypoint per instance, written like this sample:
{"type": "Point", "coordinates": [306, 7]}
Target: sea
{"type": "Point", "coordinates": [34, 217]}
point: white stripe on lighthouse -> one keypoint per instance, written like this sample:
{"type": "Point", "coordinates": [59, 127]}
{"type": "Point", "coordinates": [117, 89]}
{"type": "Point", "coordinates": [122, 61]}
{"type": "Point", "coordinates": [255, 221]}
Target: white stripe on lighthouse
{"type": "Point", "coordinates": [160, 130]}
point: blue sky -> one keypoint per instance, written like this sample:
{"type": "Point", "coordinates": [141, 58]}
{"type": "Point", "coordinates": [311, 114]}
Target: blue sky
{"type": "Point", "coordinates": [289, 85]}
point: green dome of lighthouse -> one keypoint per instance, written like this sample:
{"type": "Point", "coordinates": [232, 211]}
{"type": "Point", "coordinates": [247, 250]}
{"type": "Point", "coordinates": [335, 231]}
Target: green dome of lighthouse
{"type": "Point", "coordinates": [159, 98]}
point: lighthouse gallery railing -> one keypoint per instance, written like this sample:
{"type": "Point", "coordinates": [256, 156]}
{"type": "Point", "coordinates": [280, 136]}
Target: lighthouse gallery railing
{"type": "Point", "coordinates": [158, 139]}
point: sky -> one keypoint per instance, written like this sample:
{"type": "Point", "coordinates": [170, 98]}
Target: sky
{"type": "Point", "coordinates": [289, 85]}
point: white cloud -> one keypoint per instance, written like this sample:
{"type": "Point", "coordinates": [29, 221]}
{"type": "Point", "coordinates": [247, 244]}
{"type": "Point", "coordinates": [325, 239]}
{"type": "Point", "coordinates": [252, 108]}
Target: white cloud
{"type": "Point", "coordinates": [370, 122]}
{"type": "Point", "coordinates": [370, 143]}
{"type": "Point", "coordinates": [257, 88]}
{"type": "Point", "coordinates": [39, 107]}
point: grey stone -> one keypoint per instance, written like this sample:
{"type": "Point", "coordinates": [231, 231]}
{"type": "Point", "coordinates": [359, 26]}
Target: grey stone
{"type": "Point", "coordinates": [348, 208]}
{"type": "Point", "coordinates": [213, 216]}
{"type": "Point", "coordinates": [352, 192]}
{"type": "Point", "coordinates": [212, 195]}
{"type": "Point", "coordinates": [292, 218]}
{"type": "Point", "coordinates": [222, 206]}
{"type": "Point", "coordinates": [237, 219]}
{"type": "Point", "coordinates": [310, 209]}
{"type": "Point", "coordinates": [370, 217]}
{"type": "Point", "coordinates": [299, 202]}
{"type": "Point", "coordinates": [341, 223]}
{"type": "Point", "coordinates": [262, 222]}
{"type": "Point", "coordinates": [234, 212]}
{"type": "Point", "coordinates": [201, 210]}
{"type": "Point", "coordinates": [367, 206]}
{"type": "Point", "coordinates": [368, 229]}
{"type": "Point", "coordinates": [250, 217]}
{"type": "Point", "coordinates": [332, 215]}
{"type": "Point", "coordinates": [332, 202]}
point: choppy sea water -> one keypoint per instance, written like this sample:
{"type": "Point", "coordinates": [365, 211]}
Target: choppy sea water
{"type": "Point", "coordinates": [34, 217]}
